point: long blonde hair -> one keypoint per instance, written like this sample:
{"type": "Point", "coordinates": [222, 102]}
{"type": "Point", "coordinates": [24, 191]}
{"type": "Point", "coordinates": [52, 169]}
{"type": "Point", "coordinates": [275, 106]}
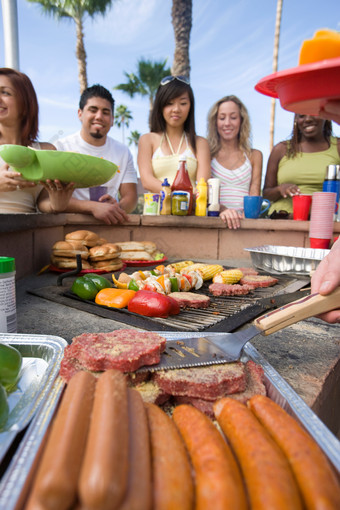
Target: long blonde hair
{"type": "Point", "coordinates": [244, 135]}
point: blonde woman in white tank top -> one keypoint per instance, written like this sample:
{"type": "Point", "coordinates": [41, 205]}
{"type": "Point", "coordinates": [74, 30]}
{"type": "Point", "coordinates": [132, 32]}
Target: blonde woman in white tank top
{"type": "Point", "coordinates": [234, 162]}
{"type": "Point", "coordinates": [17, 195]}
{"type": "Point", "coordinates": [172, 134]}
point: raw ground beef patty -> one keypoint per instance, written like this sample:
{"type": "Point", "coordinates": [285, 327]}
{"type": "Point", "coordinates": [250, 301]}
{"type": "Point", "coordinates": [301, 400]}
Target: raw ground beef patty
{"type": "Point", "coordinates": [228, 289]}
{"type": "Point", "coordinates": [258, 280]}
{"type": "Point", "coordinates": [191, 300]}
{"type": "Point", "coordinates": [209, 382]}
{"type": "Point", "coordinates": [123, 349]}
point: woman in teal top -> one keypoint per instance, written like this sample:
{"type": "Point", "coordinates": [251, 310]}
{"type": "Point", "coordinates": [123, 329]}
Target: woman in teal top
{"type": "Point", "coordinates": [298, 166]}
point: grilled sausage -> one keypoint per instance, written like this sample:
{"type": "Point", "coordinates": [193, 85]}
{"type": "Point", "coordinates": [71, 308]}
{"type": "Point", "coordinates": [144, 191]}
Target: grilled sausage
{"type": "Point", "coordinates": [103, 477]}
{"type": "Point", "coordinates": [172, 481]}
{"type": "Point", "coordinates": [268, 478]}
{"type": "Point", "coordinates": [316, 479]}
{"type": "Point", "coordinates": [55, 485]}
{"type": "Point", "coordinates": [138, 495]}
{"type": "Point", "coordinates": [217, 476]}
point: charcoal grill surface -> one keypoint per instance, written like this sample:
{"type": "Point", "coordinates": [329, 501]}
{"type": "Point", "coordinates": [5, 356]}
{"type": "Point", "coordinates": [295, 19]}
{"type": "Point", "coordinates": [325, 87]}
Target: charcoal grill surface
{"type": "Point", "coordinates": [225, 313]}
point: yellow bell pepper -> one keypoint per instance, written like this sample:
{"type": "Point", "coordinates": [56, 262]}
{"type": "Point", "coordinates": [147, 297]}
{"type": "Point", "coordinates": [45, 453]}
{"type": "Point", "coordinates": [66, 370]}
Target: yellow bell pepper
{"type": "Point", "coordinates": [114, 298]}
{"type": "Point", "coordinates": [118, 284]}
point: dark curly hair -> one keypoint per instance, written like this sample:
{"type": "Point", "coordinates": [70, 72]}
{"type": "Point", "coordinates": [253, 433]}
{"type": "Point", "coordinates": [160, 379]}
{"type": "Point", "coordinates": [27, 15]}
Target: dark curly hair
{"type": "Point", "coordinates": [295, 139]}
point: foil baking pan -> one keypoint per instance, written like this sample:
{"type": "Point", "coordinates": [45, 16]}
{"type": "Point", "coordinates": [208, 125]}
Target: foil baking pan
{"type": "Point", "coordinates": [40, 366]}
{"type": "Point", "coordinates": [15, 483]}
{"type": "Point", "coordinates": [286, 259]}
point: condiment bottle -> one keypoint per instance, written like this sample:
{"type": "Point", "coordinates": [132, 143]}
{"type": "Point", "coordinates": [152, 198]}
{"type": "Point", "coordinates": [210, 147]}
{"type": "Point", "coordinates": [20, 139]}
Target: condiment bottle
{"type": "Point", "coordinates": [182, 181]}
{"type": "Point", "coordinates": [165, 198]}
{"type": "Point", "coordinates": [213, 197]}
{"type": "Point", "coordinates": [201, 198]}
{"type": "Point", "coordinates": [8, 314]}
{"type": "Point", "coordinates": [331, 182]}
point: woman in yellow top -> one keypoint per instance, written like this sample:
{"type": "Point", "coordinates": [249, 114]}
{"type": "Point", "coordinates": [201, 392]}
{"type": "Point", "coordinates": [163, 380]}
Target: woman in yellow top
{"type": "Point", "coordinates": [298, 166]}
{"type": "Point", "coordinates": [172, 135]}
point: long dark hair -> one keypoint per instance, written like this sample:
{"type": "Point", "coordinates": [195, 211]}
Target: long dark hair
{"type": "Point", "coordinates": [295, 139]}
{"type": "Point", "coordinates": [165, 94]}
{"type": "Point", "coordinates": [27, 102]}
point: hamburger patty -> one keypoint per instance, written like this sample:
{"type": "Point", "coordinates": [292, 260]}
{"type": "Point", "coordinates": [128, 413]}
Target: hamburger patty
{"type": "Point", "coordinates": [191, 300]}
{"type": "Point", "coordinates": [123, 349]}
{"type": "Point", "coordinates": [258, 281]}
{"type": "Point", "coordinates": [227, 289]}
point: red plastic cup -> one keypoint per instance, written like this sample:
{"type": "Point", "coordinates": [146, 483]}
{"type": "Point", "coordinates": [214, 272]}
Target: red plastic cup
{"type": "Point", "coordinates": [322, 244]}
{"type": "Point", "coordinates": [301, 207]}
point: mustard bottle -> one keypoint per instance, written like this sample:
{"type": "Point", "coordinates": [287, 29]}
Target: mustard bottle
{"type": "Point", "coordinates": [165, 198]}
{"type": "Point", "coordinates": [201, 198]}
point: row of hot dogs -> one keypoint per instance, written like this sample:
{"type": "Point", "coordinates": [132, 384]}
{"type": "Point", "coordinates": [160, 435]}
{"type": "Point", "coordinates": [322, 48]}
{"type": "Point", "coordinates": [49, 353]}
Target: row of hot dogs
{"type": "Point", "coordinates": [109, 450]}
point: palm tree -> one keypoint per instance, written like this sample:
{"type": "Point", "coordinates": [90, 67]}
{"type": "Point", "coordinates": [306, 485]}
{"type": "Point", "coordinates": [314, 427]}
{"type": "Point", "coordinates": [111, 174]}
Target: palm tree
{"type": "Point", "coordinates": [134, 137]}
{"type": "Point", "coordinates": [275, 61]}
{"type": "Point", "coordinates": [122, 118]}
{"type": "Point", "coordinates": [181, 15]}
{"type": "Point", "coordinates": [76, 10]}
{"type": "Point", "coordinates": [146, 81]}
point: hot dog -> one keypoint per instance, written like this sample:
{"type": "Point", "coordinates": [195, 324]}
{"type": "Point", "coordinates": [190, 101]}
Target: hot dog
{"type": "Point", "coordinates": [103, 477]}
{"type": "Point", "coordinates": [218, 479]}
{"type": "Point", "coordinates": [56, 482]}
{"type": "Point", "coordinates": [138, 494]}
{"type": "Point", "coordinates": [316, 479]}
{"type": "Point", "coordinates": [268, 478]}
{"type": "Point", "coordinates": [172, 481]}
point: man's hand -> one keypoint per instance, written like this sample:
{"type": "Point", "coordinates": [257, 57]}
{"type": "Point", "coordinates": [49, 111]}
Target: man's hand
{"type": "Point", "coordinates": [109, 212]}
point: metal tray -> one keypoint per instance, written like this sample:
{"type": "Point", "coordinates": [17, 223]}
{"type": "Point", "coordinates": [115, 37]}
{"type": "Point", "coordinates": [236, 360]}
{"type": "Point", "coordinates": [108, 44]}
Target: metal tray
{"type": "Point", "coordinates": [41, 360]}
{"type": "Point", "coordinates": [14, 483]}
{"type": "Point", "coordinates": [286, 259]}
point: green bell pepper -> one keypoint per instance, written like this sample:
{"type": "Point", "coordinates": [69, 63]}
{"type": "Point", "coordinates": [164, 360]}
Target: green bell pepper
{"type": "Point", "coordinates": [4, 408]}
{"type": "Point", "coordinates": [132, 285]}
{"type": "Point", "coordinates": [99, 281]}
{"type": "Point", "coordinates": [84, 288]}
{"type": "Point", "coordinates": [10, 365]}
{"type": "Point", "coordinates": [174, 284]}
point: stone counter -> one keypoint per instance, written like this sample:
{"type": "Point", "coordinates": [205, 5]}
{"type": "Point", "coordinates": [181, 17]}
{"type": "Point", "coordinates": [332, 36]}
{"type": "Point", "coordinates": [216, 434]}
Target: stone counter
{"type": "Point", "coordinates": [29, 237]}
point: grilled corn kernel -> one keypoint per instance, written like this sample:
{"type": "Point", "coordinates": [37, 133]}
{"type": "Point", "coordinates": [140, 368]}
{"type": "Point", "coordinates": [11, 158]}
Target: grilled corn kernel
{"type": "Point", "coordinates": [177, 266]}
{"type": "Point", "coordinates": [207, 270]}
{"type": "Point", "coordinates": [228, 276]}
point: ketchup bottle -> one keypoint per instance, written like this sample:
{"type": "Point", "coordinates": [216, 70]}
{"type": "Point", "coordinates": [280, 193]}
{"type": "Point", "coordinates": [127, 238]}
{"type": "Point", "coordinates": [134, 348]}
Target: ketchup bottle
{"type": "Point", "coordinates": [182, 181]}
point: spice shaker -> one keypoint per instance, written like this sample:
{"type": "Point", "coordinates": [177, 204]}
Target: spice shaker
{"type": "Point", "coordinates": [8, 313]}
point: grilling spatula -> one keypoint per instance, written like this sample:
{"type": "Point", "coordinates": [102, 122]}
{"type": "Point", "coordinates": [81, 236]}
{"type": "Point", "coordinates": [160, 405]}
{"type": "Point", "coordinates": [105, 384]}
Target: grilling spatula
{"type": "Point", "coordinates": [213, 349]}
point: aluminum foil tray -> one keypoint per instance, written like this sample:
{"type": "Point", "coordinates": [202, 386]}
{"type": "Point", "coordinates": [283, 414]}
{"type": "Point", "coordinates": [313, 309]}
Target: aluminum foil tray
{"type": "Point", "coordinates": [286, 259]}
{"type": "Point", "coordinates": [15, 481]}
{"type": "Point", "coordinates": [41, 360]}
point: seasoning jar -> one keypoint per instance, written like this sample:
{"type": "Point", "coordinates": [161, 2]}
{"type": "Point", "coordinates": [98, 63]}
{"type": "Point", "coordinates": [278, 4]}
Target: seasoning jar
{"type": "Point", "coordinates": [180, 203]}
{"type": "Point", "coordinates": [8, 313]}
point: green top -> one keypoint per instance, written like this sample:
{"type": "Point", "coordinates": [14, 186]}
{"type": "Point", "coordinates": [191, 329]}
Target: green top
{"type": "Point", "coordinates": [307, 170]}
{"type": "Point", "coordinates": [7, 265]}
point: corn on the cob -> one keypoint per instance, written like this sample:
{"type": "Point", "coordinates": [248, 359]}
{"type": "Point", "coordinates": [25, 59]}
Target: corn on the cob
{"type": "Point", "coordinates": [177, 266]}
{"type": "Point", "coordinates": [228, 276]}
{"type": "Point", "coordinates": [207, 270]}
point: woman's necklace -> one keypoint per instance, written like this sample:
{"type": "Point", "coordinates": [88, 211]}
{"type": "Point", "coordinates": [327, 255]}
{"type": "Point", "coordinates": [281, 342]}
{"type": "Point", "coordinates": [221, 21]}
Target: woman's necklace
{"type": "Point", "coordinates": [179, 146]}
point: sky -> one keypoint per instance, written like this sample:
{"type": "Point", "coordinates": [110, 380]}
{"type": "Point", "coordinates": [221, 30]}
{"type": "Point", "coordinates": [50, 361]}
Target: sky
{"type": "Point", "coordinates": [231, 49]}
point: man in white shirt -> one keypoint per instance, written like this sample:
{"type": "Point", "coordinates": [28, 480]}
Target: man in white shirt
{"type": "Point", "coordinates": [96, 116]}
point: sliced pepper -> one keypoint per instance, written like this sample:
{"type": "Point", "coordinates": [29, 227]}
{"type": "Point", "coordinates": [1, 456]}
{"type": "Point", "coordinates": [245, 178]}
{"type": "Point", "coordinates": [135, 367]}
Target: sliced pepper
{"type": "Point", "coordinates": [174, 284]}
{"type": "Point", "coordinates": [152, 304]}
{"type": "Point", "coordinates": [118, 284]}
{"type": "Point", "coordinates": [84, 288]}
{"type": "Point", "coordinates": [99, 281]}
{"type": "Point", "coordinates": [142, 275]}
{"type": "Point", "coordinates": [160, 268]}
{"type": "Point", "coordinates": [161, 281]}
{"type": "Point", "coordinates": [132, 285]}
{"type": "Point", "coordinates": [114, 298]}
{"type": "Point", "coordinates": [10, 365]}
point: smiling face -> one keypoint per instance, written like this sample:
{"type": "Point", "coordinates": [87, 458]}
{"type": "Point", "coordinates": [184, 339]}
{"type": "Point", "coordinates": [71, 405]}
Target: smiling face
{"type": "Point", "coordinates": [309, 126]}
{"type": "Point", "coordinates": [9, 105]}
{"type": "Point", "coordinates": [228, 120]}
{"type": "Point", "coordinates": [177, 110]}
{"type": "Point", "coordinates": [97, 120]}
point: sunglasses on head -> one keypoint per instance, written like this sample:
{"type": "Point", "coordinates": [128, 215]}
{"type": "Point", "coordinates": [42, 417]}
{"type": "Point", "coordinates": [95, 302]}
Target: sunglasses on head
{"type": "Point", "coordinates": [169, 79]}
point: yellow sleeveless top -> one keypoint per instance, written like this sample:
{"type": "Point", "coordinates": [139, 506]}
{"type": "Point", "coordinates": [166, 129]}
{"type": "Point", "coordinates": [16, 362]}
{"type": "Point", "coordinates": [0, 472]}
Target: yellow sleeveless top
{"type": "Point", "coordinates": [166, 166]}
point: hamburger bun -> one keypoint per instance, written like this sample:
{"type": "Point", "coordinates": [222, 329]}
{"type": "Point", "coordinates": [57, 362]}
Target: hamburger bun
{"type": "Point", "coordinates": [104, 252]}
{"type": "Point", "coordinates": [70, 249]}
{"type": "Point", "coordinates": [101, 241]}
{"type": "Point", "coordinates": [129, 246]}
{"type": "Point", "coordinates": [136, 255]}
{"type": "Point", "coordinates": [68, 263]}
{"type": "Point", "coordinates": [86, 237]}
{"type": "Point", "coordinates": [108, 265]}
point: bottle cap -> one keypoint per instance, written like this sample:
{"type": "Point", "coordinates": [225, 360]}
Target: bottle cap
{"type": "Point", "coordinates": [165, 182]}
{"type": "Point", "coordinates": [333, 172]}
{"type": "Point", "coordinates": [7, 264]}
{"type": "Point", "coordinates": [182, 157]}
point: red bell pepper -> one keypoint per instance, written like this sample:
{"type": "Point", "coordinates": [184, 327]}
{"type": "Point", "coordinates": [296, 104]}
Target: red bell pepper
{"type": "Point", "coordinates": [153, 304]}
